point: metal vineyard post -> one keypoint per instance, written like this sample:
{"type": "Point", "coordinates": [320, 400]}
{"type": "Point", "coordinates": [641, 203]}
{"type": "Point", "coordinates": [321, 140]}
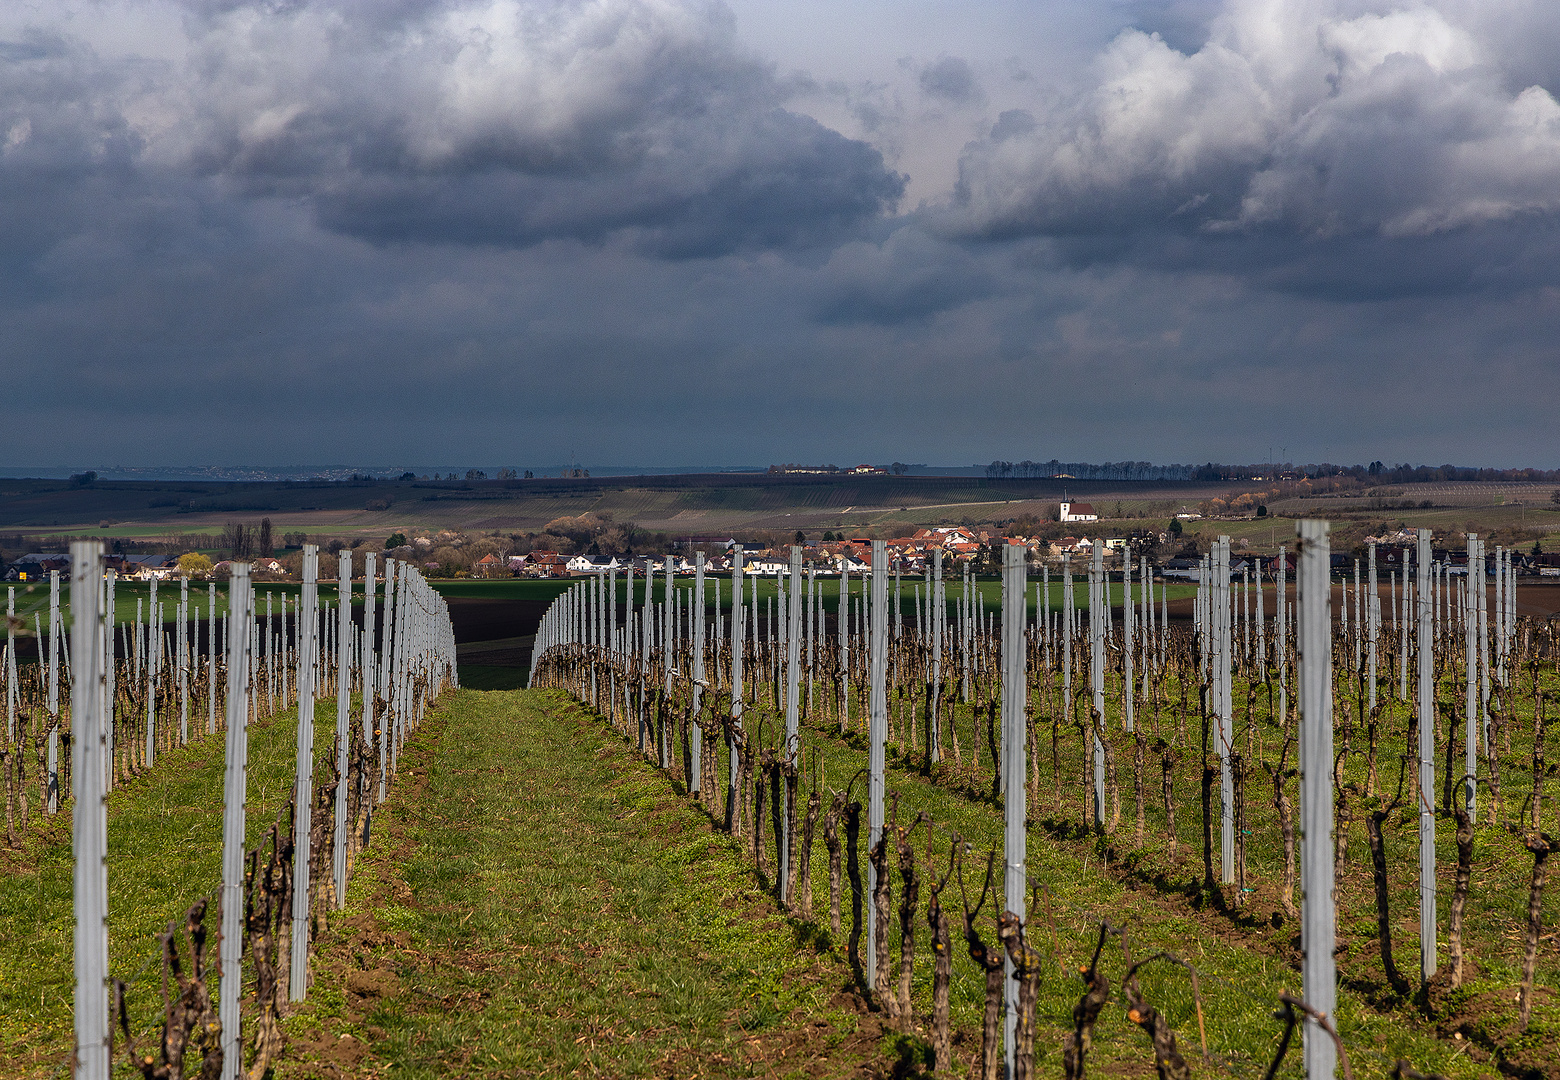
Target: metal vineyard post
{"type": "Point", "coordinates": [303, 777]}
{"type": "Point", "coordinates": [1097, 604]}
{"type": "Point", "coordinates": [877, 645]}
{"type": "Point", "coordinates": [89, 836]}
{"type": "Point", "coordinates": [343, 721]}
{"type": "Point", "coordinates": [1426, 748]}
{"type": "Point", "coordinates": [793, 657]}
{"type": "Point", "coordinates": [1316, 803]}
{"type": "Point", "coordinates": [240, 612]}
{"type": "Point", "coordinates": [1015, 675]}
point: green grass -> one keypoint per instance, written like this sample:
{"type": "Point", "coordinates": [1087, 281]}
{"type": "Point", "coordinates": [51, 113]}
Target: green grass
{"type": "Point", "coordinates": [544, 903]}
{"type": "Point", "coordinates": [164, 853]}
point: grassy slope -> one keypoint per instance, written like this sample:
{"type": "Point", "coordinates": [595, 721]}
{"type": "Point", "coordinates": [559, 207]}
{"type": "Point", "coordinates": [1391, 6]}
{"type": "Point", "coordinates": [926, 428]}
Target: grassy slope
{"type": "Point", "coordinates": [540, 902]}
{"type": "Point", "coordinates": [165, 852]}
{"type": "Point", "coordinates": [130, 508]}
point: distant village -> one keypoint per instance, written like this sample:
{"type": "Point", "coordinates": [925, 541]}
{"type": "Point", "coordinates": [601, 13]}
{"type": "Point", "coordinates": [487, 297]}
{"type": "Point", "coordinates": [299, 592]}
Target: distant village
{"type": "Point", "coordinates": [451, 554]}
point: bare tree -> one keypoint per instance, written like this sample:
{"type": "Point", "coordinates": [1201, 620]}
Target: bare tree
{"type": "Point", "coordinates": [237, 539]}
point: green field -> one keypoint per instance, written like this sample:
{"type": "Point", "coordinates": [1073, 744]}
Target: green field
{"type": "Point", "coordinates": [33, 599]}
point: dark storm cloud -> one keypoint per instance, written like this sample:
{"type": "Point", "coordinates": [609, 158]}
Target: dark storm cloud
{"type": "Point", "coordinates": [952, 79]}
{"type": "Point", "coordinates": [779, 181]}
{"type": "Point", "coordinates": [908, 277]}
{"type": "Point", "coordinates": [507, 123]}
{"type": "Point", "coordinates": [468, 123]}
{"type": "Point", "coordinates": [65, 150]}
{"type": "Point", "coordinates": [507, 229]}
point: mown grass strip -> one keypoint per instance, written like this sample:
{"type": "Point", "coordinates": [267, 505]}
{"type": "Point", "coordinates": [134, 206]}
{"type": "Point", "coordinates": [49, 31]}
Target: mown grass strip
{"type": "Point", "coordinates": [538, 901]}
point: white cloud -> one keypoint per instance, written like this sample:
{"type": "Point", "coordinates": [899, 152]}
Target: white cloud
{"type": "Point", "coordinates": [1364, 43]}
{"type": "Point", "coordinates": [1316, 118]}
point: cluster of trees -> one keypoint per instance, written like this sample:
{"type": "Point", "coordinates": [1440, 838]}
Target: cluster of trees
{"type": "Point", "coordinates": [192, 564]}
{"type": "Point", "coordinates": [1083, 470]}
{"type": "Point", "coordinates": [590, 534]}
{"type": "Point", "coordinates": [243, 541]}
{"type": "Point", "coordinates": [240, 540]}
{"type": "Point", "coordinates": [1376, 472]}
{"type": "Point", "coordinates": [586, 534]}
{"type": "Point", "coordinates": [1249, 502]}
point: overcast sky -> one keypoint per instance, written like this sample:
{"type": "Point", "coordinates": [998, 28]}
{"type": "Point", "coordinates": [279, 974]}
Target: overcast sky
{"type": "Point", "coordinates": [665, 231]}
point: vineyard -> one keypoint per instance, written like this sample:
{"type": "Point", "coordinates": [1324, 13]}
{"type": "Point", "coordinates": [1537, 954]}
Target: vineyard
{"type": "Point", "coordinates": [1359, 763]}
{"type": "Point", "coordinates": [1345, 755]}
{"type": "Point", "coordinates": [142, 704]}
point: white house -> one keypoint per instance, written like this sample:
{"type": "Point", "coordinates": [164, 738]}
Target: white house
{"type": "Point", "coordinates": [1072, 511]}
{"type": "Point", "coordinates": [149, 571]}
{"type": "Point", "coordinates": [592, 564]}
{"type": "Point", "coordinates": [1072, 545]}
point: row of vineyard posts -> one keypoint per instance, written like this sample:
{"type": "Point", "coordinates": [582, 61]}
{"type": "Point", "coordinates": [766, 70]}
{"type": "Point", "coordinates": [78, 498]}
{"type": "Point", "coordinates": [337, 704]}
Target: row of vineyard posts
{"type": "Point", "coordinates": [96, 715]}
{"type": "Point", "coordinates": [969, 696]}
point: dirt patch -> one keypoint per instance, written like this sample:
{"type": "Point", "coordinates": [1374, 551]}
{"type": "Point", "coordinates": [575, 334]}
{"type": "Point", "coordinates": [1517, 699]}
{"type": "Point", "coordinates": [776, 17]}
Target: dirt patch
{"type": "Point", "coordinates": [332, 1056]}
{"type": "Point", "coordinates": [377, 983]}
{"type": "Point", "coordinates": [1483, 1016]}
